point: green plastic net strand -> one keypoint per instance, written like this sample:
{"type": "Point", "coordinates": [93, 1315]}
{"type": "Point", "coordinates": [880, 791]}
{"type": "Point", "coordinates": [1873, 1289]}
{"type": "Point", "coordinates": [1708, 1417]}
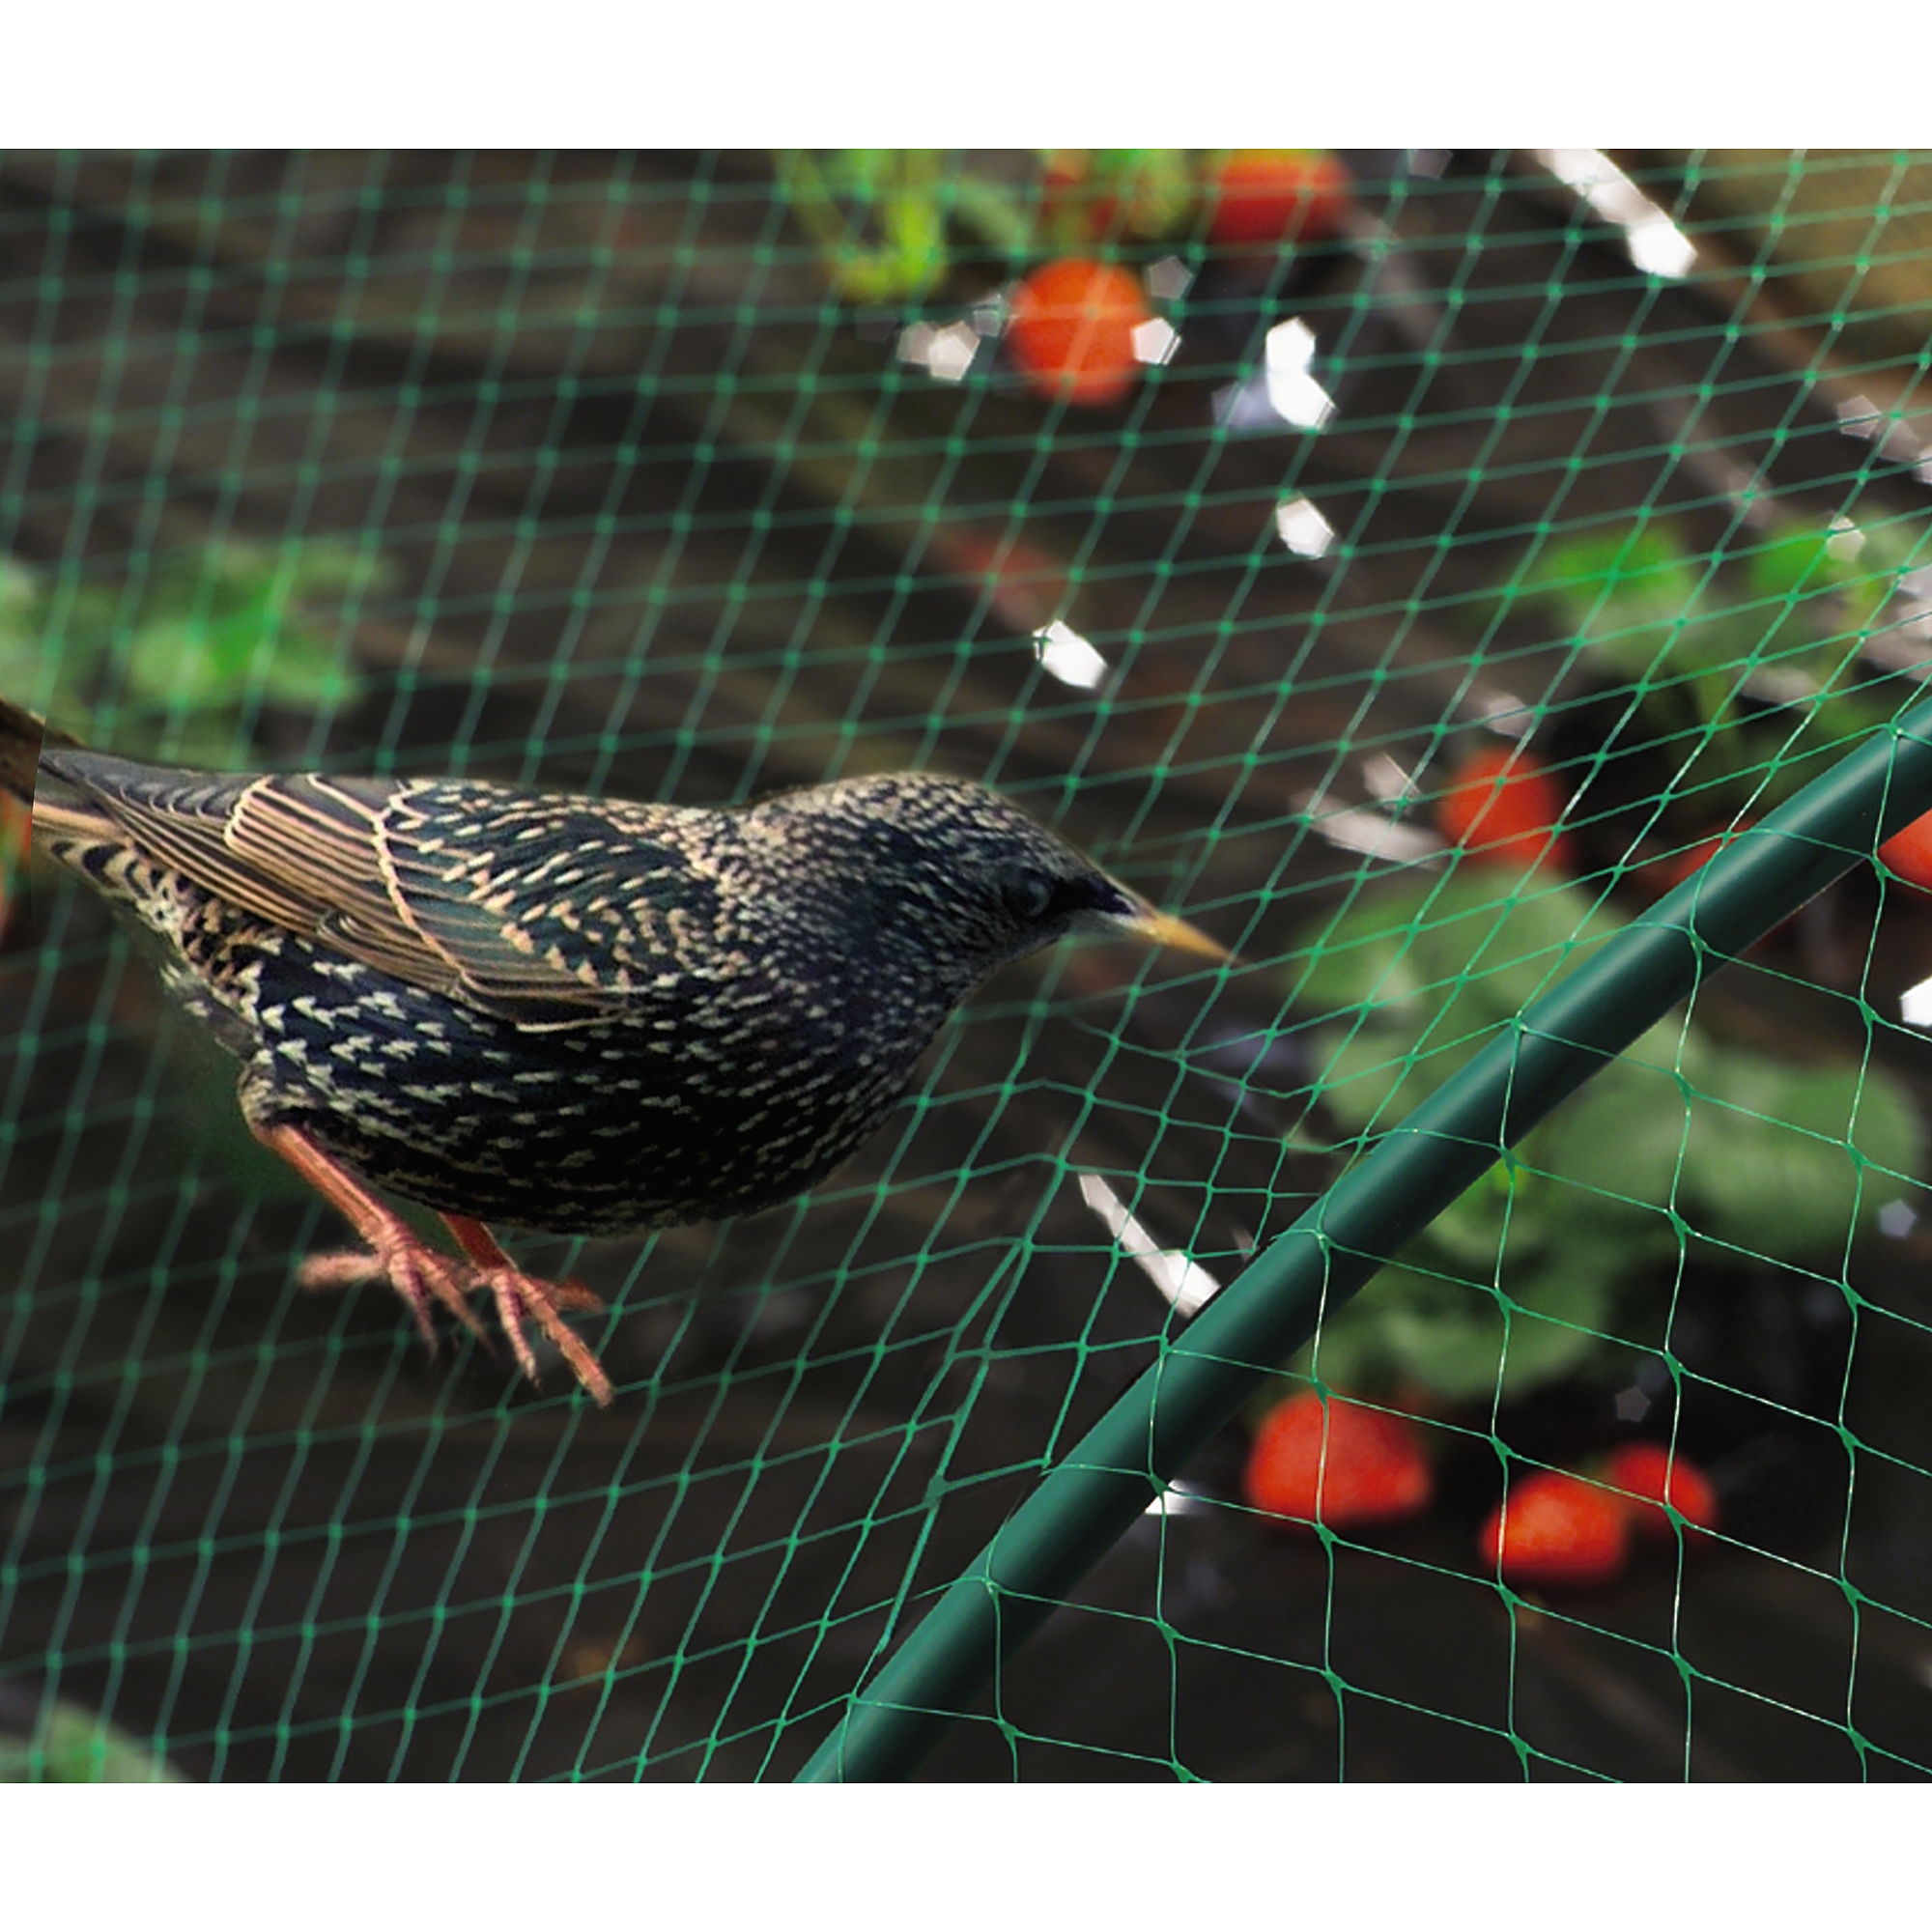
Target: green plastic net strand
{"type": "Point", "coordinates": [1358, 494]}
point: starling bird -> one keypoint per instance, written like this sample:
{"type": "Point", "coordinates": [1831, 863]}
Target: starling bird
{"type": "Point", "coordinates": [573, 1014]}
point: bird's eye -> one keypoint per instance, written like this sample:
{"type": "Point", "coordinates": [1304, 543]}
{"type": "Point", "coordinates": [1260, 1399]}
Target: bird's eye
{"type": "Point", "coordinates": [1029, 896]}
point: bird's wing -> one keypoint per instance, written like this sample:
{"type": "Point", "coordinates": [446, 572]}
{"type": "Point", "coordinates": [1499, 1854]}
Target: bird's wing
{"type": "Point", "coordinates": [361, 866]}
{"type": "Point", "coordinates": [338, 843]}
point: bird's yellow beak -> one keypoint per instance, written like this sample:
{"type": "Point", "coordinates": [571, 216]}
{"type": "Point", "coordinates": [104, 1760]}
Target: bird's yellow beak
{"type": "Point", "coordinates": [1162, 928]}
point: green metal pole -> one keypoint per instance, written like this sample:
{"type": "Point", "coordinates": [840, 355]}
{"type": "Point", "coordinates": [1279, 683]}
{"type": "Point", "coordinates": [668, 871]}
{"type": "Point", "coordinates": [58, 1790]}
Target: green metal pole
{"type": "Point", "coordinates": [1104, 1485]}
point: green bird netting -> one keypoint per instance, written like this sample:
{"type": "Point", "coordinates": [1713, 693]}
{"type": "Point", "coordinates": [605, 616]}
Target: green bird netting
{"type": "Point", "coordinates": [1486, 591]}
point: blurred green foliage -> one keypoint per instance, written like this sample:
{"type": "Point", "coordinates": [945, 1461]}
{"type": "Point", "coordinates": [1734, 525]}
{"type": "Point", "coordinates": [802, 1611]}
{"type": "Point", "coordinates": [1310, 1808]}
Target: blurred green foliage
{"type": "Point", "coordinates": [888, 221]}
{"type": "Point", "coordinates": [876, 214]}
{"type": "Point", "coordinates": [1748, 672]}
{"type": "Point", "coordinates": [71, 1745]}
{"type": "Point", "coordinates": [177, 669]}
{"type": "Point", "coordinates": [1518, 1281]}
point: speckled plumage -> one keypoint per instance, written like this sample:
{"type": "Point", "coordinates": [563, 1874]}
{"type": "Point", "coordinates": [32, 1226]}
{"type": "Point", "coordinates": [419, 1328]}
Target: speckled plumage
{"type": "Point", "coordinates": [581, 1015]}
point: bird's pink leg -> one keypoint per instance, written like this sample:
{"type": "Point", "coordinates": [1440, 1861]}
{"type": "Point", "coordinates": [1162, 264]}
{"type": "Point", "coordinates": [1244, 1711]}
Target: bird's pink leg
{"type": "Point", "coordinates": [396, 1252]}
{"type": "Point", "coordinates": [420, 1274]}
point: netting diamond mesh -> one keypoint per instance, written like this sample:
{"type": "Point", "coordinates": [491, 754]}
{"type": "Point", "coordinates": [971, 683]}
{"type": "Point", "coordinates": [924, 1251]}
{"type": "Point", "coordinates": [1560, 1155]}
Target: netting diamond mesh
{"type": "Point", "coordinates": [692, 476]}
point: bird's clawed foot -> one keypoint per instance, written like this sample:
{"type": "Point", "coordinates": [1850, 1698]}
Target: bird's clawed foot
{"type": "Point", "coordinates": [415, 1271]}
{"type": "Point", "coordinates": [423, 1275]}
{"type": "Point", "coordinates": [527, 1297]}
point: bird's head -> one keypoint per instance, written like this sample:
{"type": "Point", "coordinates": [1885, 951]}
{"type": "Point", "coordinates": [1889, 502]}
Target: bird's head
{"type": "Point", "coordinates": [959, 871]}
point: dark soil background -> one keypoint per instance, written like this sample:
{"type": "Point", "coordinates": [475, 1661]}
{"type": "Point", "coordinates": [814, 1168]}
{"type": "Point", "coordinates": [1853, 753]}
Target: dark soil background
{"type": "Point", "coordinates": [664, 521]}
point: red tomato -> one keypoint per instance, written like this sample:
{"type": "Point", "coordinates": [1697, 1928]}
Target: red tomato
{"type": "Point", "coordinates": [1071, 329]}
{"type": "Point", "coordinates": [1556, 1530]}
{"type": "Point", "coordinates": [1675, 871]}
{"type": "Point", "coordinates": [1669, 873]}
{"type": "Point", "coordinates": [1909, 853]}
{"type": "Point", "coordinates": [1315, 1457]}
{"type": "Point", "coordinates": [1643, 1469]}
{"type": "Point", "coordinates": [1277, 195]}
{"type": "Point", "coordinates": [1503, 805]}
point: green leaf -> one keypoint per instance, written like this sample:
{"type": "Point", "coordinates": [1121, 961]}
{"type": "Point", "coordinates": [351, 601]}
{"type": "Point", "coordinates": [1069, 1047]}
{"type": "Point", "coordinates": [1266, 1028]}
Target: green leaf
{"type": "Point", "coordinates": [22, 603]}
{"type": "Point", "coordinates": [174, 660]}
{"type": "Point", "coordinates": [309, 679]}
{"type": "Point", "coordinates": [75, 1745]}
{"type": "Point", "coordinates": [1502, 937]}
{"type": "Point", "coordinates": [1794, 1161]}
{"type": "Point", "coordinates": [1617, 1146]}
{"type": "Point", "coordinates": [1887, 1128]}
{"type": "Point", "coordinates": [29, 671]}
{"type": "Point", "coordinates": [217, 740]}
{"type": "Point", "coordinates": [1560, 1314]}
{"type": "Point", "coordinates": [1465, 1340]}
{"type": "Point", "coordinates": [1434, 968]}
{"type": "Point", "coordinates": [1374, 1076]}
{"type": "Point", "coordinates": [1861, 568]}
{"type": "Point", "coordinates": [89, 619]}
{"type": "Point", "coordinates": [1408, 1323]}
{"type": "Point", "coordinates": [1485, 930]}
{"type": "Point", "coordinates": [1469, 1234]}
{"type": "Point", "coordinates": [1154, 187]}
{"type": "Point", "coordinates": [1613, 583]}
{"type": "Point", "coordinates": [333, 572]}
{"type": "Point", "coordinates": [1793, 563]}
